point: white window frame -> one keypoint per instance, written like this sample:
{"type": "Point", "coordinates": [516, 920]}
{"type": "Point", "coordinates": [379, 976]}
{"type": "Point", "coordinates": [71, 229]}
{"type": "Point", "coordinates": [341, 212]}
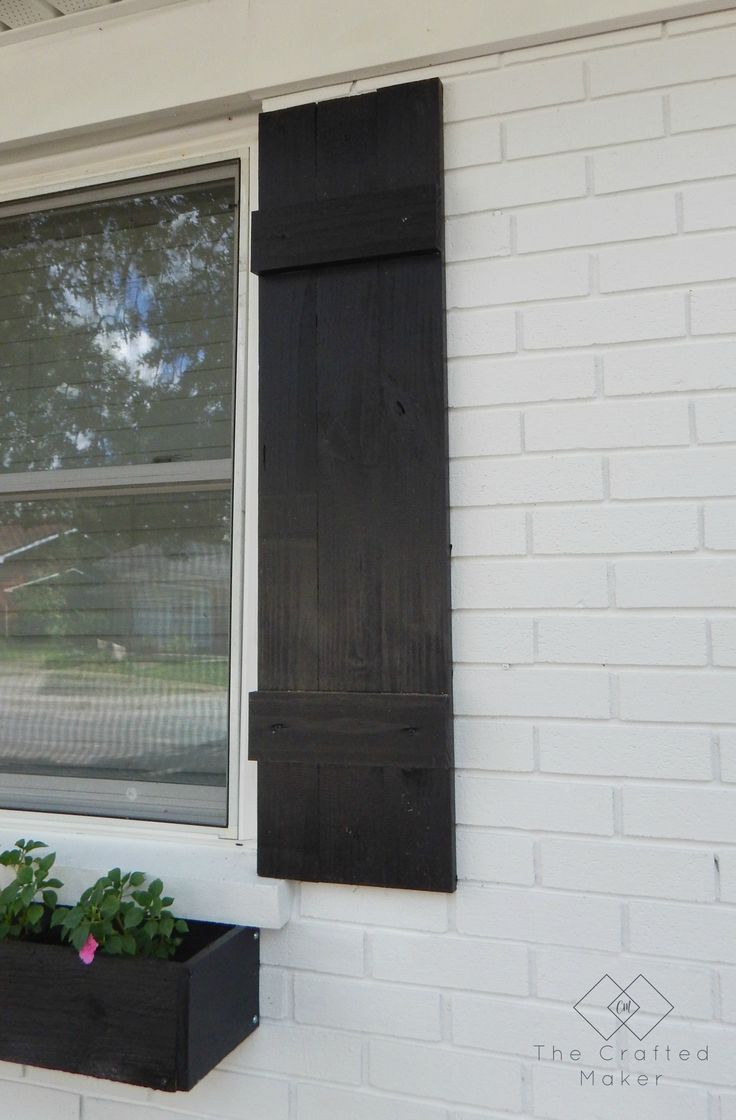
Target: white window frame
{"type": "Point", "coordinates": [193, 859]}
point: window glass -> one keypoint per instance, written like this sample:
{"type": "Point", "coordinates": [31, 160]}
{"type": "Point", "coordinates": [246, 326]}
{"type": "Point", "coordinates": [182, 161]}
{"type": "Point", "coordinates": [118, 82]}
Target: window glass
{"type": "Point", "coordinates": [116, 357]}
{"type": "Point", "coordinates": [116, 323]}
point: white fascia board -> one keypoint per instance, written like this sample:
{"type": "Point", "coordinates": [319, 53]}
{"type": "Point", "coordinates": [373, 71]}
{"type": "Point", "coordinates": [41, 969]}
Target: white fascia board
{"type": "Point", "coordinates": [182, 60]}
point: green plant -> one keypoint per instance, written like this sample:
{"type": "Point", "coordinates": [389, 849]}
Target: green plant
{"type": "Point", "coordinates": [117, 914]}
{"type": "Point", "coordinates": [31, 893]}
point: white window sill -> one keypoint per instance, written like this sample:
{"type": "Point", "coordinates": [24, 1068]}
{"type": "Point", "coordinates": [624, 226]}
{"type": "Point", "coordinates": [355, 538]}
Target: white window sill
{"type": "Point", "coordinates": [210, 880]}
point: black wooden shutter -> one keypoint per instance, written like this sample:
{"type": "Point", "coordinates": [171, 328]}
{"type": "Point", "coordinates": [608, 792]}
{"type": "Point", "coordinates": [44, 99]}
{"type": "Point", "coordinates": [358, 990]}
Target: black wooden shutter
{"type": "Point", "coordinates": [352, 723]}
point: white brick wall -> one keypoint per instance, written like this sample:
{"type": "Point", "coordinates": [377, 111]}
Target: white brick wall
{"type": "Point", "coordinates": [591, 199]}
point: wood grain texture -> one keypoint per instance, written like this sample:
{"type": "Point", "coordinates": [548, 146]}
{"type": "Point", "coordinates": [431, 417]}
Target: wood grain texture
{"type": "Point", "coordinates": [354, 568]}
{"type": "Point", "coordinates": [350, 729]}
{"type": "Point", "coordinates": [346, 229]}
{"type": "Point", "coordinates": [162, 1024]}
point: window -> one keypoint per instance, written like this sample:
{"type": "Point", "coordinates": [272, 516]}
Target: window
{"type": "Point", "coordinates": [117, 315]}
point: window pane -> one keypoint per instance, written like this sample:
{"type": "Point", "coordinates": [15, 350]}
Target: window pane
{"type": "Point", "coordinates": [114, 637]}
{"type": "Point", "coordinates": [116, 330]}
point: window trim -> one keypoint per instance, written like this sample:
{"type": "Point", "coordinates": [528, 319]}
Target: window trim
{"type": "Point", "coordinates": [116, 169]}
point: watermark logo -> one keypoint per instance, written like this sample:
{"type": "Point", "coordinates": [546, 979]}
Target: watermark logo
{"type": "Point", "coordinates": [639, 1007]}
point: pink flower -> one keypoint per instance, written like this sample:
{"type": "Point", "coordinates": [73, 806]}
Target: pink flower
{"type": "Point", "coordinates": [88, 950]}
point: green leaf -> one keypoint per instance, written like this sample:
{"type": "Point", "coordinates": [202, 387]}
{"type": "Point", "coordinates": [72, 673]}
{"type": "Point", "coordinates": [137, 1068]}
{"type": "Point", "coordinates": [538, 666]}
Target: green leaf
{"type": "Point", "coordinates": [156, 887]}
{"type": "Point", "coordinates": [133, 918]}
{"type": "Point", "coordinates": [129, 944]}
{"type": "Point", "coordinates": [181, 926]}
{"type": "Point", "coordinates": [167, 926]}
{"type": "Point", "coordinates": [50, 899]}
{"type": "Point", "coordinates": [137, 879]}
{"type": "Point", "coordinates": [35, 913]}
{"type": "Point", "coordinates": [79, 936]}
{"type": "Point", "coordinates": [25, 875]}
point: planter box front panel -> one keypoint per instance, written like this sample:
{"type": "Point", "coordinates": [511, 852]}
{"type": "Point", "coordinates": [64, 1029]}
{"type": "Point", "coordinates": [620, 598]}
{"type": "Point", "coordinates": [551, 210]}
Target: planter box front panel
{"type": "Point", "coordinates": [163, 1024]}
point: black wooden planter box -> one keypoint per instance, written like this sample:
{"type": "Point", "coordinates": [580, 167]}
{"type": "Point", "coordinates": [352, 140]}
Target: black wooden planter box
{"type": "Point", "coordinates": [164, 1024]}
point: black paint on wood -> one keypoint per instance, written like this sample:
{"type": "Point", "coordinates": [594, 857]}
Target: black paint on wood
{"type": "Point", "coordinates": [346, 229]}
{"type": "Point", "coordinates": [350, 728]}
{"type": "Point", "coordinates": [163, 1024]}
{"type": "Point", "coordinates": [354, 541]}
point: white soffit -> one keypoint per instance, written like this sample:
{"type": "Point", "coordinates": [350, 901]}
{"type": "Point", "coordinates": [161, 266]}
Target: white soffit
{"type": "Point", "coordinates": [51, 15]}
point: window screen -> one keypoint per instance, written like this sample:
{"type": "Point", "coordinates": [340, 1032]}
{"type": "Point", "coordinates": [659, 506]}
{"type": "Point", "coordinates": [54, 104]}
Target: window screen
{"type": "Point", "coordinates": [116, 417]}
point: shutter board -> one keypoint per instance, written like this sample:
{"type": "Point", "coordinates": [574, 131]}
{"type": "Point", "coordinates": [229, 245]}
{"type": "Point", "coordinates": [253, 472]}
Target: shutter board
{"type": "Point", "coordinates": [352, 724]}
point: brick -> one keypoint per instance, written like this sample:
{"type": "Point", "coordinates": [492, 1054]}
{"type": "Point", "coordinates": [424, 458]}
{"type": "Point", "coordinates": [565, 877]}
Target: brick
{"type": "Point", "coordinates": [506, 584]}
{"type": "Point", "coordinates": [676, 582]}
{"type": "Point", "coordinates": [504, 91]}
{"type": "Point", "coordinates": [727, 978]}
{"type": "Point", "coordinates": [509, 1026]}
{"type": "Point", "coordinates": [677, 873]}
{"type": "Point", "coordinates": [720, 525]}
{"type": "Point", "coordinates": [562, 972]}
{"type": "Point", "coordinates": [81, 1086]}
{"type": "Point", "coordinates": [679, 813]}
{"type": "Point", "coordinates": [715, 419]}
{"type": "Point", "coordinates": [664, 63]}
{"type": "Point", "coordinates": [274, 993]}
{"type": "Point", "coordinates": [558, 1095]}
{"type": "Point", "coordinates": [484, 431]}
{"type": "Point", "coordinates": [472, 142]}
{"type": "Point", "coordinates": [498, 187]}
{"type": "Point", "coordinates": [706, 697]}
{"type": "Point", "coordinates": [534, 804]}
{"type": "Point", "coordinates": [709, 205]}
{"type": "Point", "coordinates": [703, 106]}
{"type": "Point", "coordinates": [698, 472]}
{"type": "Point", "coordinates": [524, 914]}
{"type": "Point", "coordinates": [713, 310]}
{"type": "Point", "coordinates": [590, 125]}
{"type": "Point", "coordinates": [487, 638]}
{"type": "Point", "coordinates": [575, 693]}
{"type": "Point", "coordinates": [314, 945]}
{"type": "Point", "coordinates": [727, 867]}
{"type": "Point", "coordinates": [222, 1094]}
{"type": "Point", "coordinates": [517, 280]}
{"type": "Point", "coordinates": [622, 641]}
{"type": "Point", "coordinates": [477, 236]}
{"type": "Point", "coordinates": [495, 857]}
{"type": "Point", "coordinates": [670, 369]}
{"type": "Point", "coordinates": [374, 906]}
{"type": "Point", "coordinates": [465, 962]}
{"type": "Point", "coordinates": [95, 1109]}
{"type": "Point", "coordinates": [445, 1074]}
{"type": "Point", "coordinates": [300, 1051]}
{"type": "Point", "coordinates": [723, 631]}
{"type": "Point", "coordinates": [676, 159]}
{"type": "Point", "coordinates": [480, 332]}
{"type": "Point", "coordinates": [479, 482]}
{"type": "Point", "coordinates": [632, 752]}
{"type": "Point", "coordinates": [487, 532]}
{"type": "Point", "coordinates": [679, 930]}
{"type": "Point", "coordinates": [484, 744]}
{"type": "Point", "coordinates": [607, 424]}
{"type": "Point", "coordinates": [594, 221]}
{"type": "Point", "coordinates": [598, 321]}
{"type": "Point", "coordinates": [518, 380]}
{"type": "Point", "coordinates": [728, 756]}
{"type": "Point", "coordinates": [611, 528]}
{"type": "Point", "coordinates": [33, 1102]}
{"type": "Point", "coordinates": [322, 1102]}
{"type": "Point", "coordinates": [367, 1006]}
{"type": "Point", "coordinates": [674, 261]}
